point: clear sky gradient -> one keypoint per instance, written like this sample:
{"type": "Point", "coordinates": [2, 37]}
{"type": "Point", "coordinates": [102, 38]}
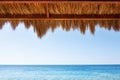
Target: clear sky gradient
{"type": "Point", "coordinates": [22, 46]}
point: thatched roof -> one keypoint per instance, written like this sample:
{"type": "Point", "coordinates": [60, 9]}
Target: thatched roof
{"type": "Point", "coordinates": [69, 14]}
{"type": "Point", "coordinates": [48, 9]}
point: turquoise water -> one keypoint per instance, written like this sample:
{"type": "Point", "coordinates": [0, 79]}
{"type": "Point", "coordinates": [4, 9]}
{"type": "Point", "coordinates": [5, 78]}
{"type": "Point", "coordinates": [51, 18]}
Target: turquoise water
{"type": "Point", "coordinates": [60, 72]}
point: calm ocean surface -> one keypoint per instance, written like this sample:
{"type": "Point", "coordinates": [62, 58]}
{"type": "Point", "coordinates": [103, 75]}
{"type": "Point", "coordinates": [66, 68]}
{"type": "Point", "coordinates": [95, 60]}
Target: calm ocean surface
{"type": "Point", "coordinates": [63, 72]}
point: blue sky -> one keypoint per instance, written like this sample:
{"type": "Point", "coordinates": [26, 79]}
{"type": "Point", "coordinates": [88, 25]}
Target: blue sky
{"type": "Point", "coordinates": [22, 46]}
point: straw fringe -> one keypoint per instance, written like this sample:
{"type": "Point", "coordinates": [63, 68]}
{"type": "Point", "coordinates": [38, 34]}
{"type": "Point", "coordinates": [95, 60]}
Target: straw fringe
{"type": "Point", "coordinates": [41, 27]}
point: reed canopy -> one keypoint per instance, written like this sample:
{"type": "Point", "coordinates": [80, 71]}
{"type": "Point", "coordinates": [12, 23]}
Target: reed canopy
{"type": "Point", "coordinates": [68, 14]}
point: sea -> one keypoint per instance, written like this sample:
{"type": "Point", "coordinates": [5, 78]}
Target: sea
{"type": "Point", "coordinates": [59, 72]}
